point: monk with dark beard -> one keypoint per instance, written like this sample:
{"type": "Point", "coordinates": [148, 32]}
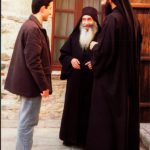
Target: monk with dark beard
{"type": "Point", "coordinates": [75, 59]}
{"type": "Point", "coordinates": [114, 113]}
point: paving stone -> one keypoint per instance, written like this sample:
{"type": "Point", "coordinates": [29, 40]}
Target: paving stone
{"type": "Point", "coordinates": [44, 139]}
{"type": "Point", "coordinates": [145, 135]}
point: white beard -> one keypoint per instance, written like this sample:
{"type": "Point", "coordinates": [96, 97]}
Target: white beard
{"type": "Point", "coordinates": [86, 36]}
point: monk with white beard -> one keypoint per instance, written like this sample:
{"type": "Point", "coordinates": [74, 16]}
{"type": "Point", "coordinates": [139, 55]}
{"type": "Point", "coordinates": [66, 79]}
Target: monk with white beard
{"type": "Point", "coordinates": [87, 32]}
{"type": "Point", "coordinates": [75, 58]}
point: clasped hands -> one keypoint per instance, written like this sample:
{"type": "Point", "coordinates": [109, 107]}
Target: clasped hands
{"type": "Point", "coordinates": [76, 64]}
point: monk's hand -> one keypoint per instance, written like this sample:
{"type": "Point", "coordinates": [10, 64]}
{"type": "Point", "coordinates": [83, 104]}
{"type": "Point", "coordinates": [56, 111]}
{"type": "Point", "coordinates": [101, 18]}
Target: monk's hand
{"type": "Point", "coordinates": [92, 44]}
{"type": "Point", "coordinates": [75, 63]}
{"type": "Point", "coordinates": [89, 64]}
{"type": "Point", "coordinates": [45, 93]}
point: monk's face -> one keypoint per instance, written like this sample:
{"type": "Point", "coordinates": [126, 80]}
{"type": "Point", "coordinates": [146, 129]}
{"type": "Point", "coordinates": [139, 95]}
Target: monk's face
{"type": "Point", "coordinates": [87, 22]}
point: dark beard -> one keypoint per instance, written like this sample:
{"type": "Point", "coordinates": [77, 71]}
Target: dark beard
{"type": "Point", "coordinates": [108, 8]}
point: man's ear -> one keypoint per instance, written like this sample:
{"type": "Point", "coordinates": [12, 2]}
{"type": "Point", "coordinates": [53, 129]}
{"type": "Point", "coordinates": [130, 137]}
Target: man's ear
{"type": "Point", "coordinates": [42, 9]}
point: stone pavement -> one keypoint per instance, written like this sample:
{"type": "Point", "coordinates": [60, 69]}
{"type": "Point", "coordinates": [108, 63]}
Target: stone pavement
{"type": "Point", "coordinates": [46, 136]}
{"type": "Point", "coordinates": [44, 139]}
{"type": "Point", "coordinates": [145, 134]}
{"type": "Point", "coordinates": [47, 132]}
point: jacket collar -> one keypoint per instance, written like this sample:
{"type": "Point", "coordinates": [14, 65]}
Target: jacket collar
{"type": "Point", "coordinates": [33, 18]}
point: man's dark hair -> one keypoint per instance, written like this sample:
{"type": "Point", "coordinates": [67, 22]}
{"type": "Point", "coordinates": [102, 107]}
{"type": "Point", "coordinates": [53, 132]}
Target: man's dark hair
{"type": "Point", "coordinates": [37, 4]}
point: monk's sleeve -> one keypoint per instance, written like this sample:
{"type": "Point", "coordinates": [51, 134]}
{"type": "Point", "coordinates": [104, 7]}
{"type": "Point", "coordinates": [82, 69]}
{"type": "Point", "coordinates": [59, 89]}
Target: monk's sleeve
{"type": "Point", "coordinates": [104, 52]}
{"type": "Point", "coordinates": [65, 59]}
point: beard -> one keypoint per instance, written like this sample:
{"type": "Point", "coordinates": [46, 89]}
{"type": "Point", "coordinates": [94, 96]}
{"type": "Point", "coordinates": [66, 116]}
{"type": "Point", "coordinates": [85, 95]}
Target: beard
{"type": "Point", "coordinates": [87, 35]}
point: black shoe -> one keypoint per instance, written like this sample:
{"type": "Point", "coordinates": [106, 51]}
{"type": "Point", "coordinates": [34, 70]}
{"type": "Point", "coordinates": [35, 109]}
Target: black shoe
{"type": "Point", "coordinates": [77, 145]}
{"type": "Point", "coordinates": [66, 143]}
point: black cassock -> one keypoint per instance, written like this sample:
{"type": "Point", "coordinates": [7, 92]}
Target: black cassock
{"type": "Point", "coordinates": [78, 92]}
{"type": "Point", "coordinates": [114, 120]}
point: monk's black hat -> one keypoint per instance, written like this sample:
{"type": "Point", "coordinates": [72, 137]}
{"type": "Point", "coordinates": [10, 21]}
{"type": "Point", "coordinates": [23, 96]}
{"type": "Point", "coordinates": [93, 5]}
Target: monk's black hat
{"type": "Point", "coordinates": [91, 12]}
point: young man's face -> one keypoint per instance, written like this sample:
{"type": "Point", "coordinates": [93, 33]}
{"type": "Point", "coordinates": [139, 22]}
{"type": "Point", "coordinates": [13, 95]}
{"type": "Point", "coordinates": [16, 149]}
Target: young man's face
{"type": "Point", "coordinates": [87, 22]}
{"type": "Point", "coordinates": [48, 11]}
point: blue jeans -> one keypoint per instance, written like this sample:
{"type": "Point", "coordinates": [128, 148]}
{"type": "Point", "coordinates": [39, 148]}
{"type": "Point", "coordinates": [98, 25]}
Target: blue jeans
{"type": "Point", "coordinates": [28, 118]}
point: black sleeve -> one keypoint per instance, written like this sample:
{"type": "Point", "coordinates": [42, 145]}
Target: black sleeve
{"type": "Point", "coordinates": [65, 59]}
{"type": "Point", "coordinates": [104, 51]}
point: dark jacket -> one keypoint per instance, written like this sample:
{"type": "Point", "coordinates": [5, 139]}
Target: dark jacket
{"type": "Point", "coordinates": [29, 72]}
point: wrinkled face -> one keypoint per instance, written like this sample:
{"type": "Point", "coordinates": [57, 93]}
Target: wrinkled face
{"type": "Point", "coordinates": [47, 11]}
{"type": "Point", "coordinates": [87, 22]}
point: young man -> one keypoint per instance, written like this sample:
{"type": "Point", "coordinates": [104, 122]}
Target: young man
{"type": "Point", "coordinates": [29, 73]}
{"type": "Point", "coordinates": [76, 68]}
{"type": "Point", "coordinates": [114, 117]}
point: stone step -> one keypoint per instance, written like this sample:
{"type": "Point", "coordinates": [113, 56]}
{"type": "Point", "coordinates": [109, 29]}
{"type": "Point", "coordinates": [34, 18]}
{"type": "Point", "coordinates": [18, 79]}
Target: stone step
{"type": "Point", "coordinates": [44, 139]}
{"type": "Point", "coordinates": [145, 135]}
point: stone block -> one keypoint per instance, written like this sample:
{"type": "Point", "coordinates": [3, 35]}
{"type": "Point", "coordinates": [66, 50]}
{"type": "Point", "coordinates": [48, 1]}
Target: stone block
{"type": "Point", "coordinates": [145, 135]}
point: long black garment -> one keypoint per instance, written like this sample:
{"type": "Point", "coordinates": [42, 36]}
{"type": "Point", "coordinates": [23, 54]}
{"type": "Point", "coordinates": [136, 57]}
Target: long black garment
{"type": "Point", "coordinates": [112, 122]}
{"type": "Point", "coordinates": [78, 92]}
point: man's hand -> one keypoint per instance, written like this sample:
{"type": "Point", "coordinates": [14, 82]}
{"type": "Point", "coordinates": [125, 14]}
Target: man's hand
{"type": "Point", "coordinates": [89, 64]}
{"type": "Point", "coordinates": [92, 44]}
{"type": "Point", "coordinates": [75, 63]}
{"type": "Point", "coordinates": [45, 93]}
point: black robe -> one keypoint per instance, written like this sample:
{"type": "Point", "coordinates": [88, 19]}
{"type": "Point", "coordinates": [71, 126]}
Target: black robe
{"type": "Point", "coordinates": [113, 125]}
{"type": "Point", "coordinates": [78, 92]}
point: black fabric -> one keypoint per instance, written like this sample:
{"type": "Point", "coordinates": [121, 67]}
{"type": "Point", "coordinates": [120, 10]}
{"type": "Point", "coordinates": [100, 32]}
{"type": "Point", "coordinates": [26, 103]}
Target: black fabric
{"type": "Point", "coordinates": [78, 92]}
{"type": "Point", "coordinates": [134, 43]}
{"type": "Point", "coordinates": [114, 116]}
{"type": "Point", "coordinates": [75, 116]}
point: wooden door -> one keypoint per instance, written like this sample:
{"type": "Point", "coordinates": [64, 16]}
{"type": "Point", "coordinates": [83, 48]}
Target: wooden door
{"type": "Point", "coordinates": [142, 10]}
